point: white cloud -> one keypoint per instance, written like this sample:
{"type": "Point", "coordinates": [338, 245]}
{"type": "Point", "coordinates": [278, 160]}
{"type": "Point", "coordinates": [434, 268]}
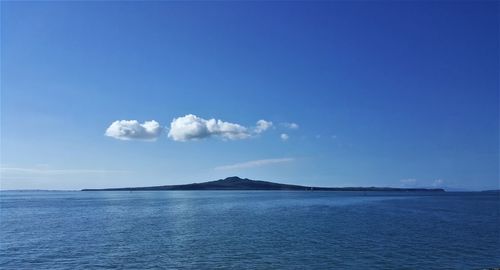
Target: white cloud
{"type": "Point", "coordinates": [227, 130]}
{"type": "Point", "coordinates": [409, 182]}
{"type": "Point", "coordinates": [254, 163]}
{"type": "Point", "coordinates": [192, 127]}
{"type": "Point", "coordinates": [185, 128]}
{"type": "Point", "coordinates": [412, 182]}
{"type": "Point", "coordinates": [284, 136]}
{"type": "Point", "coordinates": [438, 183]}
{"type": "Point", "coordinates": [263, 125]}
{"type": "Point", "coordinates": [133, 130]}
{"type": "Point", "coordinates": [290, 125]}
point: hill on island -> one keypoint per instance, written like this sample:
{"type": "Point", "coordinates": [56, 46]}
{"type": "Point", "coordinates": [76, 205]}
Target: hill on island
{"type": "Point", "coordinates": [236, 183]}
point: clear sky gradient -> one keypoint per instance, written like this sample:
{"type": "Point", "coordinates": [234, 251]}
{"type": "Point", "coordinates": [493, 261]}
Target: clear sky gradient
{"type": "Point", "coordinates": [401, 94]}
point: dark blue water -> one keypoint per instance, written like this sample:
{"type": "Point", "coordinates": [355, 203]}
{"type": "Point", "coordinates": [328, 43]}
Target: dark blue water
{"type": "Point", "coordinates": [248, 230]}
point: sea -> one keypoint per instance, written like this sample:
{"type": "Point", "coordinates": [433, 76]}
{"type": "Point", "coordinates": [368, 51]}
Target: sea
{"type": "Point", "coordinates": [249, 230]}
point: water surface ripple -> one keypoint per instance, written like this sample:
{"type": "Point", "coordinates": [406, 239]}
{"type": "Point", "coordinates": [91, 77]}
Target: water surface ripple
{"type": "Point", "coordinates": [248, 230]}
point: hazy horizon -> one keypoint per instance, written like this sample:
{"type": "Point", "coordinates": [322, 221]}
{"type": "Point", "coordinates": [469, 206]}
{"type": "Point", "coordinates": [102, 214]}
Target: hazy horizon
{"type": "Point", "coordinates": [448, 189]}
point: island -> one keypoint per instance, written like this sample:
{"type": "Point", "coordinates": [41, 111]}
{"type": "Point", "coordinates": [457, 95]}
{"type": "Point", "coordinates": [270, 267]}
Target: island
{"type": "Point", "coordinates": [237, 183]}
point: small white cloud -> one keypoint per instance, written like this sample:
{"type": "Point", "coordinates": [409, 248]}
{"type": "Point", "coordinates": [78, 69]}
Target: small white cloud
{"type": "Point", "coordinates": [254, 163]}
{"type": "Point", "coordinates": [438, 183]}
{"type": "Point", "coordinates": [290, 125]}
{"type": "Point", "coordinates": [192, 127]}
{"type": "Point", "coordinates": [227, 130]}
{"type": "Point", "coordinates": [133, 130]}
{"type": "Point", "coordinates": [412, 182]}
{"type": "Point", "coordinates": [409, 182]}
{"type": "Point", "coordinates": [284, 136]}
{"type": "Point", "coordinates": [263, 125]}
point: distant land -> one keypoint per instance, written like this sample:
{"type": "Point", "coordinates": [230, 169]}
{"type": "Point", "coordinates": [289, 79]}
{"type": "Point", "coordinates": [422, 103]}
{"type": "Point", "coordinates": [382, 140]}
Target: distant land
{"type": "Point", "coordinates": [236, 183]}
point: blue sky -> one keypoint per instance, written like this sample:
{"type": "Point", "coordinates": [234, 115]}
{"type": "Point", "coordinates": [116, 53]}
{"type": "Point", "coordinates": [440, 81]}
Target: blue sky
{"type": "Point", "coordinates": [396, 94]}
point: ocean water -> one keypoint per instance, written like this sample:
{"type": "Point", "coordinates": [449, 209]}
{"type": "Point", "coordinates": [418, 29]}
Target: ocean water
{"type": "Point", "coordinates": [248, 230]}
